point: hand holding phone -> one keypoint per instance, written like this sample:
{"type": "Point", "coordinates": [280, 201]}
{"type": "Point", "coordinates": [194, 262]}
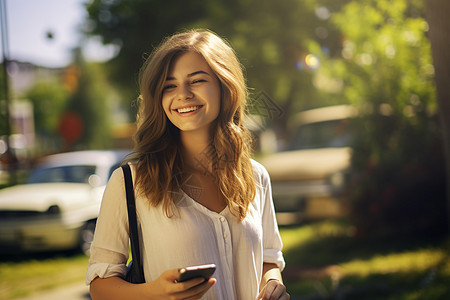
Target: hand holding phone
{"type": "Point", "coordinates": [205, 271]}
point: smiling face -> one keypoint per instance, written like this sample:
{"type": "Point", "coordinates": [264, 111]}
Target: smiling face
{"type": "Point", "coordinates": [191, 94]}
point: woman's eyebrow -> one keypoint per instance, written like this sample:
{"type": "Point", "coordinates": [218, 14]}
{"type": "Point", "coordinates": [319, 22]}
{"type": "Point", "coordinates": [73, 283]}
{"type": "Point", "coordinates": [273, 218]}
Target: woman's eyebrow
{"type": "Point", "coordinates": [198, 72]}
{"type": "Point", "coordinates": [190, 74]}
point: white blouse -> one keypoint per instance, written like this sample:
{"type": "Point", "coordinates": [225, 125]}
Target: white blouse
{"type": "Point", "coordinates": [195, 236]}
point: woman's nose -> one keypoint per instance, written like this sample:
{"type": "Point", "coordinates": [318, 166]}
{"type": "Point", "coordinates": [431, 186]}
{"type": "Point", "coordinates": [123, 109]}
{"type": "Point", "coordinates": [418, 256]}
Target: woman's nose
{"type": "Point", "coordinates": [184, 92]}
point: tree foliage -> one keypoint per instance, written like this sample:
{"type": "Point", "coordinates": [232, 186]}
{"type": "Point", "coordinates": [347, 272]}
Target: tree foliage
{"type": "Point", "coordinates": [89, 102]}
{"type": "Point", "coordinates": [398, 183]}
{"type": "Point", "coordinates": [49, 99]}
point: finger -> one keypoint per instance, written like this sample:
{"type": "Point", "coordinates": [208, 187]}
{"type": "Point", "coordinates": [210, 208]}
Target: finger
{"type": "Point", "coordinates": [279, 292]}
{"type": "Point", "coordinates": [273, 289]}
{"type": "Point", "coordinates": [286, 296]}
{"type": "Point", "coordinates": [198, 291]}
{"type": "Point", "coordinates": [265, 293]}
{"type": "Point", "coordinates": [270, 289]}
{"type": "Point", "coordinates": [204, 287]}
{"type": "Point", "coordinates": [189, 284]}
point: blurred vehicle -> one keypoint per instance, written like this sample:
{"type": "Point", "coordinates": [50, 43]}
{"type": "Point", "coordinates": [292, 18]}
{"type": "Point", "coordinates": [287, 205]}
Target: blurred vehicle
{"type": "Point", "coordinates": [308, 177]}
{"type": "Point", "coordinates": [58, 206]}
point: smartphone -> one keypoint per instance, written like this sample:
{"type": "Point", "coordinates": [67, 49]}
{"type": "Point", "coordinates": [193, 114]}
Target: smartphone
{"type": "Point", "coordinates": [205, 271]}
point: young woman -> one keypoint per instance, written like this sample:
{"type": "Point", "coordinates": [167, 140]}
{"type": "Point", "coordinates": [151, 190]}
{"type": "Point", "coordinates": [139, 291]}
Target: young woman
{"type": "Point", "coordinates": [200, 199]}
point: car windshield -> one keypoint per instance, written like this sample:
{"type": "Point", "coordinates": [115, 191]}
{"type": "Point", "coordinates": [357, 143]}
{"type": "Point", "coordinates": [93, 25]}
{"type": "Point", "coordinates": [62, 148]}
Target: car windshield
{"type": "Point", "coordinates": [327, 134]}
{"type": "Point", "coordinates": [73, 174]}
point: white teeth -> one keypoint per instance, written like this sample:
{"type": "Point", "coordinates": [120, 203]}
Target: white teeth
{"type": "Point", "coordinates": [188, 109]}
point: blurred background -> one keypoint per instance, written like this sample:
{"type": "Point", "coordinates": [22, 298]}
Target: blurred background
{"type": "Point", "coordinates": [349, 112]}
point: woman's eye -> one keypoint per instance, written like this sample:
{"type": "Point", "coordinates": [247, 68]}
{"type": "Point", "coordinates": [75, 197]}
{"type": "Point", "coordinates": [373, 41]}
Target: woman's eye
{"type": "Point", "coordinates": [198, 81]}
{"type": "Point", "coordinates": [168, 87]}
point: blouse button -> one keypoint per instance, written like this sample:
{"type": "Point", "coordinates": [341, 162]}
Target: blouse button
{"type": "Point", "coordinates": [222, 219]}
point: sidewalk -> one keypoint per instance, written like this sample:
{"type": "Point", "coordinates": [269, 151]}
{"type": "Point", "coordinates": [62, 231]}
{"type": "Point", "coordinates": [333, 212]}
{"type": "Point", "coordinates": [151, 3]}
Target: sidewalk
{"type": "Point", "coordinates": [77, 291]}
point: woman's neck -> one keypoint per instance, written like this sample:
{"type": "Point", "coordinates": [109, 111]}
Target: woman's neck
{"type": "Point", "coordinates": [198, 151]}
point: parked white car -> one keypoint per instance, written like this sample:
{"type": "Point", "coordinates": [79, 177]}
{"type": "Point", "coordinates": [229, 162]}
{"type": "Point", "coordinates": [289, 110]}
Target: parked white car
{"type": "Point", "coordinates": [308, 176]}
{"type": "Point", "coordinates": [58, 206]}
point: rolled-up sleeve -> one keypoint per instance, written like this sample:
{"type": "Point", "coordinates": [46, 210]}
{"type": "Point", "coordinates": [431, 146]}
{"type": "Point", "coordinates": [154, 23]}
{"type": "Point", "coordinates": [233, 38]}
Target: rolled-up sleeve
{"type": "Point", "coordinates": [109, 249]}
{"type": "Point", "coordinates": [272, 243]}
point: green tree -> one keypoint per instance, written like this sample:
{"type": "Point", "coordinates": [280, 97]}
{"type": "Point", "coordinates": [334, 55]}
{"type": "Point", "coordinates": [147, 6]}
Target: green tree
{"type": "Point", "coordinates": [387, 71]}
{"type": "Point", "coordinates": [48, 99]}
{"type": "Point", "coordinates": [89, 103]}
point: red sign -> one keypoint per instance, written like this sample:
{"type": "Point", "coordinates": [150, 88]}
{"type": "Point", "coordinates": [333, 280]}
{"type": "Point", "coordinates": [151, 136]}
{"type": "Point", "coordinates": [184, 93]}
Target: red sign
{"type": "Point", "coordinates": [71, 126]}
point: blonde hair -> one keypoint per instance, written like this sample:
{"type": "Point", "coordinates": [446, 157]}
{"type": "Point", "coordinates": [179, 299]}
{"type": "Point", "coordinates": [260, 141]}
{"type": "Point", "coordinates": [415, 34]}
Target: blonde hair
{"type": "Point", "coordinates": [157, 144]}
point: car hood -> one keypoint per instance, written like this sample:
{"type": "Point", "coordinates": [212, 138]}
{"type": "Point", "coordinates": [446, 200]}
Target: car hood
{"type": "Point", "coordinates": [311, 164]}
{"type": "Point", "coordinates": [39, 197]}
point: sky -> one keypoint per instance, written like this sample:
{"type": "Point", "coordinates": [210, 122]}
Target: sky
{"type": "Point", "coordinates": [29, 21]}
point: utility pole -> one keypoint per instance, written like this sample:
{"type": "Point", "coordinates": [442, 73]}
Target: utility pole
{"type": "Point", "coordinates": [10, 155]}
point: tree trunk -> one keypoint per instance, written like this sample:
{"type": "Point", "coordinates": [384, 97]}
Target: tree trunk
{"type": "Point", "coordinates": [437, 14]}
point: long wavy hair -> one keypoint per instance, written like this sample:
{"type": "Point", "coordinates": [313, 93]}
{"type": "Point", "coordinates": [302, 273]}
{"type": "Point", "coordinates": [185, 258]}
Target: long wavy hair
{"type": "Point", "coordinates": [157, 151]}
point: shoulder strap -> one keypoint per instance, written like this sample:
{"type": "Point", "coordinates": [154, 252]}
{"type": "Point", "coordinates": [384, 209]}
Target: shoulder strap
{"type": "Point", "coordinates": [132, 220]}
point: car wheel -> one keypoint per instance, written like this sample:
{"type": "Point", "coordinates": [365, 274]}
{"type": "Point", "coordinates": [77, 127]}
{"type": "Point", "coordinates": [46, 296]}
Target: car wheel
{"type": "Point", "coordinates": [86, 237]}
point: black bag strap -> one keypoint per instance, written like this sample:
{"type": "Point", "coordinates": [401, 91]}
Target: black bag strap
{"type": "Point", "coordinates": [132, 220]}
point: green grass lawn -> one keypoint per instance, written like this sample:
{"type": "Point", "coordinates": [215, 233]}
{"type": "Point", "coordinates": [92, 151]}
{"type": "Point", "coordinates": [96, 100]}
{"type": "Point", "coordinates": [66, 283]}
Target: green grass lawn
{"type": "Point", "coordinates": [23, 276]}
{"type": "Point", "coordinates": [324, 261]}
